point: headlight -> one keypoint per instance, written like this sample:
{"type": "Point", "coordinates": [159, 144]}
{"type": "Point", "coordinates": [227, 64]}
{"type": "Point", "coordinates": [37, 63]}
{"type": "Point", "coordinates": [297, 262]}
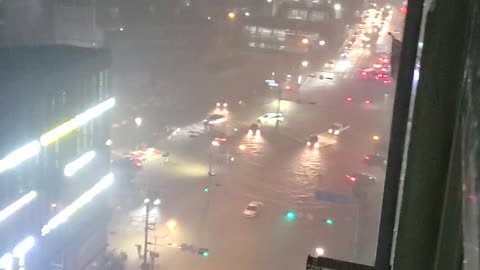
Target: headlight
{"type": "Point", "coordinates": [336, 132]}
{"type": "Point", "coordinates": [309, 143]}
{"type": "Point", "coordinates": [330, 131]}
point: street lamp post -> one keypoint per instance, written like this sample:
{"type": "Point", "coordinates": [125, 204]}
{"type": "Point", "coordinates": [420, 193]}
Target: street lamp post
{"type": "Point", "coordinates": [148, 205]}
{"type": "Point", "coordinates": [138, 123]}
{"type": "Point", "coordinates": [210, 157]}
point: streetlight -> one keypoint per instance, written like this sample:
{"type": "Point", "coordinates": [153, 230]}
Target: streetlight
{"type": "Point", "coordinates": [171, 225]}
{"type": "Point", "coordinates": [108, 142]}
{"type": "Point", "coordinates": [242, 147]}
{"type": "Point", "coordinates": [305, 41]}
{"type": "Point", "coordinates": [247, 13]}
{"type": "Point", "coordinates": [337, 7]}
{"type": "Point", "coordinates": [148, 204]}
{"type": "Point", "coordinates": [231, 15]}
{"type": "Point", "coordinates": [138, 121]}
{"type": "Point", "coordinates": [304, 63]}
{"type": "Point", "coordinates": [121, 29]}
{"type": "Point", "coordinates": [322, 43]}
{"type": "Point", "coordinates": [210, 161]}
{"type": "Point", "coordinates": [320, 251]}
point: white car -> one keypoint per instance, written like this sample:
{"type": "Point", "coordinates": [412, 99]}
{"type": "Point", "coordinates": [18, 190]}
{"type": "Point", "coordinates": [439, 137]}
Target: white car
{"type": "Point", "coordinates": [270, 118]}
{"type": "Point", "coordinates": [252, 209]}
{"type": "Point", "coordinates": [327, 76]}
{"type": "Point", "coordinates": [337, 128]}
{"type": "Point", "coordinates": [214, 119]}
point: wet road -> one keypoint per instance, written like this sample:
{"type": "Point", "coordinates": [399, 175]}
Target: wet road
{"type": "Point", "coordinates": [275, 168]}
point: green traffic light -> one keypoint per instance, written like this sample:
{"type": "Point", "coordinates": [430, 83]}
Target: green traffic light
{"type": "Point", "coordinates": [290, 215]}
{"type": "Point", "coordinates": [205, 254]}
{"type": "Point", "coordinates": [205, 189]}
{"type": "Point", "coordinates": [329, 222]}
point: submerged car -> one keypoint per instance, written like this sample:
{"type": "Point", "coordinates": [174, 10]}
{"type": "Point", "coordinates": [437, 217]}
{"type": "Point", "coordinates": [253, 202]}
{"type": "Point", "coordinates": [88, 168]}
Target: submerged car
{"type": "Point", "coordinates": [313, 141]}
{"type": "Point", "coordinates": [252, 209]}
{"type": "Point", "coordinates": [337, 128]}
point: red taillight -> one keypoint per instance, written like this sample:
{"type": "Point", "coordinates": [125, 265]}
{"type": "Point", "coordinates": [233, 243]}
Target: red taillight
{"type": "Point", "coordinates": [366, 157]}
{"type": "Point", "coordinates": [288, 87]}
{"type": "Point", "coordinates": [349, 99]}
{"type": "Point", "coordinates": [368, 101]}
{"type": "Point", "coordinates": [364, 73]}
{"type": "Point", "coordinates": [352, 178]}
{"type": "Point", "coordinates": [138, 164]}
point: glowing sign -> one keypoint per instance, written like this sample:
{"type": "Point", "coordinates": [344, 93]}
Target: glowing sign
{"type": "Point", "coordinates": [14, 207]}
{"type": "Point", "coordinates": [80, 202]}
{"type": "Point", "coordinates": [79, 120]}
{"type": "Point", "coordinates": [72, 167]}
{"type": "Point", "coordinates": [20, 155]}
{"type": "Point", "coordinates": [6, 261]}
{"type": "Point", "coordinates": [21, 249]}
{"type": "Point", "coordinates": [19, 252]}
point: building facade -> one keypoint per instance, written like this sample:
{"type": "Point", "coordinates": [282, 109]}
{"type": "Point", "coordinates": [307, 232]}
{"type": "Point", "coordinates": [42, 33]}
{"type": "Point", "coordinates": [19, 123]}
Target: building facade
{"type": "Point", "coordinates": [37, 22]}
{"type": "Point", "coordinates": [55, 116]}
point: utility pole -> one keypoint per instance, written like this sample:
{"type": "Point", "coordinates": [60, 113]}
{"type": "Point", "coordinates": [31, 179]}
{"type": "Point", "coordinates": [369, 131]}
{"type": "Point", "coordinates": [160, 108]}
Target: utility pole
{"type": "Point", "coordinates": [148, 204]}
{"type": "Point", "coordinates": [145, 243]}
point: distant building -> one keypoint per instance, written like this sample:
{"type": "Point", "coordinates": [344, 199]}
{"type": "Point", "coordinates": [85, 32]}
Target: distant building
{"type": "Point", "coordinates": [292, 36]}
{"type": "Point", "coordinates": [36, 22]}
{"type": "Point", "coordinates": [55, 108]}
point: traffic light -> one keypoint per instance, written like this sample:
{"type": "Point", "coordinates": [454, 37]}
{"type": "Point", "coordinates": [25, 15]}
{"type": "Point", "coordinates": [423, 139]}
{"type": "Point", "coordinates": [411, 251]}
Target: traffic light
{"type": "Point", "coordinates": [290, 215]}
{"type": "Point", "coordinates": [205, 189]}
{"type": "Point", "coordinates": [329, 221]}
{"type": "Point", "coordinates": [203, 252]}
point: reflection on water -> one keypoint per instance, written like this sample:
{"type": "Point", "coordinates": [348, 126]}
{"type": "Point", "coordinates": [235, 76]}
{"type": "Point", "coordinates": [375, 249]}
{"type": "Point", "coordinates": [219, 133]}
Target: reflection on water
{"type": "Point", "coordinates": [254, 145]}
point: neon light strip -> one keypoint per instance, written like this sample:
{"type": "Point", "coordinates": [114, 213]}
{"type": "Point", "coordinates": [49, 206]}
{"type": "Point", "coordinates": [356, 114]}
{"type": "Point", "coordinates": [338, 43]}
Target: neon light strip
{"type": "Point", "coordinates": [79, 120]}
{"type": "Point", "coordinates": [20, 155]}
{"type": "Point", "coordinates": [81, 201]}
{"type": "Point", "coordinates": [6, 262]}
{"type": "Point", "coordinates": [19, 252]}
{"type": "Point", "coordinates": [14, 207]}
{"type": "Point", "coordinates": [22, 249]}
{"type": "Point", "coordinates": [72, 167]}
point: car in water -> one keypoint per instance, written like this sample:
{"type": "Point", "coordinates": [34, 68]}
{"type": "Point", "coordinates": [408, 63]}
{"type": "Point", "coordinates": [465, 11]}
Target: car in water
{"type": "Point", "coordinates": [126, 168]}
{"type": "Point", "coordinates": [254, 129]}
{"type": "Point", "coordinates": [337, 128]}
{"type": "Point", "coordinates": [362, 184]}
{"type": "Point", "coordinates": [374, 159]}
{"type": "Point", "coordinates": [312, 141]}
{"type": "Point", "coordinates": [270, 118]}
{"type": "Point", "coordinates": [252, 209]}
{"type": "Point", "coordinates": [214, 119]}
{"type": "Point", "coordinates": [222, 104]}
